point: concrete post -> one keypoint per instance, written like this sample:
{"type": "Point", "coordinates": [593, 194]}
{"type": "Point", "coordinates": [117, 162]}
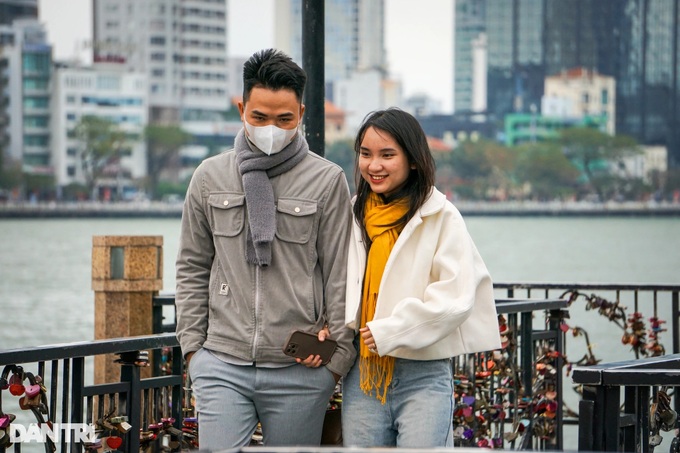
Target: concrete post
{"type": "Point", "coordinates": [127, 272]}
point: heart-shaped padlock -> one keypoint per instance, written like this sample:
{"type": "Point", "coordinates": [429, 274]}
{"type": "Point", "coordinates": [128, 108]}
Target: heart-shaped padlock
{"type": "Point", "coordinates": [114, 442]}
{"type": "Point", "coordinates": [32, 390]}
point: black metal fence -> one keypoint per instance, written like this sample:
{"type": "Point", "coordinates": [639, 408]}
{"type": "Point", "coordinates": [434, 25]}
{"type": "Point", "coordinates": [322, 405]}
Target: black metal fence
{"type": "Point", "coordinates": [507, 399]}
{"type": "Point", "coordinates": [621, 403]}
{"type": "Point", "coordinates": [132, 413]}
{"type": "Point", "coordinates": [643, 388]}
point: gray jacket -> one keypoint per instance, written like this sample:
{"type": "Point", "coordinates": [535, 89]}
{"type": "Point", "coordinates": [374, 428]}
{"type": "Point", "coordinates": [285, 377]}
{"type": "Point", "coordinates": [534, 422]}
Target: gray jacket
{"type": "Point", "coordinates": [228, 305]}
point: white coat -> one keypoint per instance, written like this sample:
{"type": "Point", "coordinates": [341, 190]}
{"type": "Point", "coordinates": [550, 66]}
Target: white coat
{"type": "Point", "coordinates": [436, 296]}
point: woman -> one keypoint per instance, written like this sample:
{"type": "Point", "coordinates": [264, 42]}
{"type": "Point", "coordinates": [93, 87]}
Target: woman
{"type": "Point", "coordinates": [418, 292]}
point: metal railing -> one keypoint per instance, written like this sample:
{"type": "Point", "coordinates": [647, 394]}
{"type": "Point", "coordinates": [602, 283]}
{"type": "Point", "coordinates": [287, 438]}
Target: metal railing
{"type": "Point", "coordinates": [479, 402]}
{"type": "Point", "coordinates": [512, 398]}
{"type": "Point", "coordinates": [647, 409]}
{"type": "Point", "coordinates": [150, 405]}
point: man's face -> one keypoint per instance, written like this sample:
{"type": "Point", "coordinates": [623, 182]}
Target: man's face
{"type": "Point", "coordinates": [266, 107]}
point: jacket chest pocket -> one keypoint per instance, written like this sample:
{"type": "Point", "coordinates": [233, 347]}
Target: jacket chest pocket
{"type": "Point", "coordinates": [227, 213]}
{"type": "Point", "coordinates": [294, 220]}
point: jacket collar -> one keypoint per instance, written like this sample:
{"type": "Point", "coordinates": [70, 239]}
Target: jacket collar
{"type": "Point", "coordinates": [434, 203]}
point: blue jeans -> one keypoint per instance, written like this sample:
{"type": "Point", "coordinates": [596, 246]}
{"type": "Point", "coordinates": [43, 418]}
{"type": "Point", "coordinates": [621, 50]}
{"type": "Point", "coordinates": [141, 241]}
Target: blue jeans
{"type": "Point", "coordinates": [418, 412]}
{"type": "Point", "coordinates": [290, 403]}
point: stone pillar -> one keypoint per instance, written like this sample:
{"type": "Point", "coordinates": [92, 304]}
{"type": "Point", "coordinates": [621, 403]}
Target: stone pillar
{"type": "Point", "coordinates": [127, 272]}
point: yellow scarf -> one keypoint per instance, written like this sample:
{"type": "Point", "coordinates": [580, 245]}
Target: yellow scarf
{"type": "Point", "coordinates": [375, 372]}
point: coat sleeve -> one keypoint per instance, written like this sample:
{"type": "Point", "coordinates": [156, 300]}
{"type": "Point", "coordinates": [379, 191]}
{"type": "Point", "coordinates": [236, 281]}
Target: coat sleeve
{"type": "Point", "coordinates": [332, 245]}
{"type": "Point", "coordinates": [194, 261]}
{"type": "Point", "coordinates": [458, 280]}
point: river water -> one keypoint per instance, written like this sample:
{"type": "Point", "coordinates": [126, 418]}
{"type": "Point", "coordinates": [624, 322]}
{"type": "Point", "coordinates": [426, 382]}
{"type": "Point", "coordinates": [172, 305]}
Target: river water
{"type": "Point", "coordinates": [45, 269]}
{"type": "Point", "coordinates": [45, 264]}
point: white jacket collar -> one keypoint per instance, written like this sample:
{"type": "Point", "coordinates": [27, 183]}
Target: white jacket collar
{"type": "Point", "coordinates": [434, 203]}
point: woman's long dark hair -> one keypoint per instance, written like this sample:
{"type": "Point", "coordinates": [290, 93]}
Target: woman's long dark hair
{"type": "Point", "coordinates": [408, 133]}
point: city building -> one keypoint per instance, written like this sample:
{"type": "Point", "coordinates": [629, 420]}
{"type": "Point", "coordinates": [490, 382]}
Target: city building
{"type": "Point", "coordinates": [633, 41]}
{"type": "Point", "coordinates": [534, 127]}
{"type": "Point", "coordinates": [179, 45]}
{"type": "Point", "coordinates": [115, 95]}
{"type": "Point", "coordinates": [357, 95]}
{"type": "Point", "coordinates": [469, 27]}
{"type": "Point", "coordinates": [335, 123]}
{"type": "Point", "coordinates": [17, 9]}
{"type": "Point", "coordinates": [577, 93]}
{"type": "Point", "coordinates": [354, 36]}
{"type": "Point", "coordinates": [25, 66]}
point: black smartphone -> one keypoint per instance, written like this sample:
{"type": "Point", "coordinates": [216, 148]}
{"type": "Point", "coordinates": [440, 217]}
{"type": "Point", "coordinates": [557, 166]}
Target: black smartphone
{"type": "Point", "coordinates": [303, 344]}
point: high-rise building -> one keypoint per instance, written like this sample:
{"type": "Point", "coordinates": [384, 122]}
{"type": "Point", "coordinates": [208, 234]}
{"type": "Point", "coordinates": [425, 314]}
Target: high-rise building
{"type": "Point", "coordinates": [469, 27]}
{"type": "Point", "coordinates": [25, 67]}
{"type": "Point", "coordinates": [634, 41]}
{"type": "Point", "coordinates": [117, 96]}
{"type": "Point", "coordinates": [180, 45]}
{"type": "Point", "coordinates": [354, 36]}
{"type": "Point", "coordinates": [17, 9]}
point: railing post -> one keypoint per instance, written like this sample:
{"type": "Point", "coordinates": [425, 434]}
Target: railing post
{"type": "Point", "coordinates": [127, 272]}
{"type": "Point", "coordinates": [131, 373]}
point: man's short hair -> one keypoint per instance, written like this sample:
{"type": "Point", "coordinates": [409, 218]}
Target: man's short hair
{"type": "Point", "coordinates": [274, 70]}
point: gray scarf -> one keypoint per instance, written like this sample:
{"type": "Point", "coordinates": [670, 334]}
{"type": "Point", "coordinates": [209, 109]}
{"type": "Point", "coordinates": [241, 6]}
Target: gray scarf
{"type": "Point", "coordinates": [256, 168]}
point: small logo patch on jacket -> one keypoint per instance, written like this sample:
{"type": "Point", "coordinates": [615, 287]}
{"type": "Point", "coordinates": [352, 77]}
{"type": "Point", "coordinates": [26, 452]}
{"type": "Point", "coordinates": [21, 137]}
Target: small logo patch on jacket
{"type": "Point", "coordinates": [224, 289]}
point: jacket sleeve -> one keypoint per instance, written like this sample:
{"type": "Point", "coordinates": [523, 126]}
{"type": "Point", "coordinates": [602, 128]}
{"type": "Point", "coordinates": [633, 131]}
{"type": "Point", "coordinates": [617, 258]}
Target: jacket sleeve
{"type": "Point", "coordinates": [458, 279]}
{"type": "Point", "coordinates": [332, 245]}
{"type": "Point", "coordinates": [194, 261]}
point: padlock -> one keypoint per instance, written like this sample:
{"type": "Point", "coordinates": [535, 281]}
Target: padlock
{"type": "Point", "coordinates": [32, 390]}
{"type": "Point", "coordinates": [123, 426]}
{"type": "Point", "coordinates": [16, 386]}
{"type": "Point", "coordinates": [27, 403]}
{"type": "Point", "coordinates": [667, 419]}
{"type": "Point", "coordinates": [173, 431]}
{"type": "Point", "coordinates": [114, 442]}
{"type": "Point", "coordinates": [118, 419]}
{"type": "Point", "coordinates": [655, 440]}
{"type": "Point", "coordinates": [6, 420]}
{"type": "Point", "coordinates": [93, 446]}
{"type": "Point", "coordinates": [165, 441]}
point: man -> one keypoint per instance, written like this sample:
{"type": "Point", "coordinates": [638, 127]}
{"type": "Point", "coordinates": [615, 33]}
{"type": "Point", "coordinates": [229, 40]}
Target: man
{"type": "Point", "coordinates": [263, 250]}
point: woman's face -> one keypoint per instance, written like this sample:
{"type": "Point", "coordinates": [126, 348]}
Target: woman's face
{"type": "Point", "coordinates": [382, 162]}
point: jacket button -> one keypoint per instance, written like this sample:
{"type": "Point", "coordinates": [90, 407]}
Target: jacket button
{"type": "Point", "coordinates": [297, 209]}
{"type": "Point", "coordinates": [225, 202]}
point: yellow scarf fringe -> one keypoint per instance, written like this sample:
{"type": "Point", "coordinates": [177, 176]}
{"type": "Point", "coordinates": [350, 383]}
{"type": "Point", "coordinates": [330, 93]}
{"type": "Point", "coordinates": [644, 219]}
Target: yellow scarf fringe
{"type": "Point", "coordinates": [375, 372]}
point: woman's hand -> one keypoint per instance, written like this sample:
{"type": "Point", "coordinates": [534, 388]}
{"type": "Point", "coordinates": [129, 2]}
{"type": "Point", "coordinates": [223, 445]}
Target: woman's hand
{"type": "Point", "coordinates": [367, 338]}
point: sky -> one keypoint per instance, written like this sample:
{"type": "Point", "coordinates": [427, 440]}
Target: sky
{"type": "Point", "coordinates": [418, 40]}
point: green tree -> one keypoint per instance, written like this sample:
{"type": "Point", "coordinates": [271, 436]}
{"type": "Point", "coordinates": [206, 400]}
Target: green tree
{"type": "Point", "coordinates": [594, 152]}
{"type": "Point", "coordinates": [10, 173]}
{"type": "Point", "coordinates": [482, 169]}
{"type": "Point", "coordinates": [162, 146]}
{"type": "Point", "coordinates": [546, 169]}
{"type": "Point", "coordinates": [102, 144]}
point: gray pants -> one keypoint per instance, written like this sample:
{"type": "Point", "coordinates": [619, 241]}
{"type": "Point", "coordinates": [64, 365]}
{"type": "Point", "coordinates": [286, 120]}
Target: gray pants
{"type": "Point", "coordinates": [290, 403]}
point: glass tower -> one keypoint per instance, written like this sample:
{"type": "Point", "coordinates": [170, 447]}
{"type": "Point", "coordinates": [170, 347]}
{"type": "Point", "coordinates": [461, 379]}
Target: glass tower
{"type": "Point", "coordinates": [635, 41]}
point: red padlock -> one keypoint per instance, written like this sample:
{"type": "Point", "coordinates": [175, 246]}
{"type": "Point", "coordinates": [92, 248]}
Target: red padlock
{"type": "Point", "coordinates": [16, 386]}
{"type": "Point", "coordinates": [114, 442]}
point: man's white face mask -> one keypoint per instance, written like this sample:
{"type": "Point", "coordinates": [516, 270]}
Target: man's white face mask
{"type": "Point", "coordinates": [269, 139]}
